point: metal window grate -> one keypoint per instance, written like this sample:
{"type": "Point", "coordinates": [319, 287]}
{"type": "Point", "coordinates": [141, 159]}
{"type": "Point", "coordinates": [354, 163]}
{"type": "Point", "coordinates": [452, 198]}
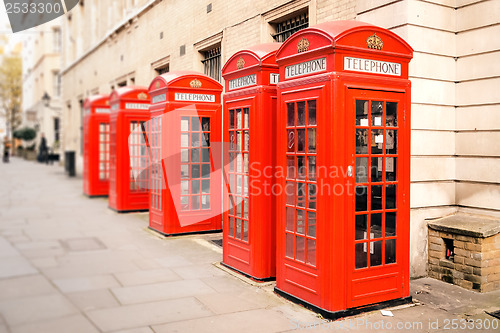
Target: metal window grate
{"type": "Point", "coordinates": [163, 70]}
{"type": "Point", "coordinates": [288, 27]}
{"type": "Point", "coordinates": [211, 63]}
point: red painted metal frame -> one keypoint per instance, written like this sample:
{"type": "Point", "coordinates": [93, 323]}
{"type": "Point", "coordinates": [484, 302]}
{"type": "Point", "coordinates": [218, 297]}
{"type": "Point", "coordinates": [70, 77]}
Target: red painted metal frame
{"type": "Point", "coordinates": [253, 251]}
{"type": "Point", "coordinates": [128, 105]}
{"type": "Point", "coordinates": [96, 113]}
{"type": "Point", "coordinates": [333, 286]}
{"type": "Point", "coordinates": [166, 114]}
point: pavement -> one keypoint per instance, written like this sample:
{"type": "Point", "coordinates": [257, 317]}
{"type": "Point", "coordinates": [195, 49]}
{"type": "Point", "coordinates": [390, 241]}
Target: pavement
{"type": "Point", "coordinates": [69, 264]}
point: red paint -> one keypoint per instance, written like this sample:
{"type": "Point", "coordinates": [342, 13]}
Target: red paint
{"type": "Point", "coordinates": [185, 137]}
{"type": "Point", "coordinates": [96, 146]}
{"type": "Point", "coordinates": [128, 149]}
{"type": "Point", "coordinates": [250, 114]}
{"type": "Point", "coordinates": [320, 265]}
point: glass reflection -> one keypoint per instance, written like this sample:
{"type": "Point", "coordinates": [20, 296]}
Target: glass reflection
{"type": "Point", "coordinates": [311, 111]}
{"type": "Point", "coordinates": [376, 253]}
{"type": "Point", "coordinates": [360, 256]}
{"type": "Point", "coordinates": [361, 227]}
{"type": "Point", "coordinates": [361, 198]}
{"type": "Point", "coordinates": [301, 113]}
{"type": "Point", "coordinates": [376, 197]}
{"type": "Point", "coordinates": [361, 141]}
{"type": "Point", "coordinates": [390, 251]}
{"type": "Point", "coordinates": [390, 224]}
{"type": "Point", "coordinates": [290, 114]}
{"type": "Point", "coordinates": [361, 113]}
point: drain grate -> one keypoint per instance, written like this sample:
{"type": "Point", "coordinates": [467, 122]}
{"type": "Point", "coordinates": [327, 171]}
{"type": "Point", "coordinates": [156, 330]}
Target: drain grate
{"type": "Point", "coordinates": [217, 242]}
{"type": "Point", "coordinates": [495, 314]}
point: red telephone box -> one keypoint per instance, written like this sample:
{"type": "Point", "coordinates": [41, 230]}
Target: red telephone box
{"type": "Point", "coordinates": [185, 136]}
{"type": "Point", "coordinates": [128, 181]}
{"type": "Point", "coordinates": [249, 118]}
{"type": "Point", "coordinates": [96, 146]}
{"type": "Point", "coordinates": [344, 139]}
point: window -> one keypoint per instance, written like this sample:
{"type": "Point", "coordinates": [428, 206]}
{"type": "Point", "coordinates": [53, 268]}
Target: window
{"type": "Point", "coordinates": [57, 40]}
{"type": "Point", "coordinates": [195, 163]}
{"type": "Point", "coordinates": [57, 84]}
{"type": "Point", "coordinates": [138, 156]}
{"type": "Point", "coordinates": [122, 84]}
{"type": "Point", "coordinates": [57, 126]}
{"type": "Point", "coordinates": [288, 27]}
{"type": "Point", "coordinates": [163, 69]}
{"type": "Point", "coordinates": [239, 143]}
{"type": "Point", "coordinates": [212, 62]}
{"type": "Point", "coordinates": [103, 151]}
{"type": "Point", "coordinates": [301, 188]}
{"type": "Point", "coordinates": [156, 174]}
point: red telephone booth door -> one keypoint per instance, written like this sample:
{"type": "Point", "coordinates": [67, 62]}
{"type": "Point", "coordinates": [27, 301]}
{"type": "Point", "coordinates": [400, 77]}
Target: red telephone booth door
{"type": "Point", "coordinates": [377, 228]}
{"type": "Point", "coordinates": [299, 273]}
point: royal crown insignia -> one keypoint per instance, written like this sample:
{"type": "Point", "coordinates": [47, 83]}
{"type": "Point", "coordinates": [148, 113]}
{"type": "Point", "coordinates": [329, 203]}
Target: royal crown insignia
{"type": "Point", "coordinates": [374, 42]}
{"type": "Point", "coordinates": [195, 83]}
{"type": "Point", "coordinates": [142, 96]}
{"type": "Point", "coordinates": [240, 63]}
{"type": "Point", "coordinates": [303, 45]}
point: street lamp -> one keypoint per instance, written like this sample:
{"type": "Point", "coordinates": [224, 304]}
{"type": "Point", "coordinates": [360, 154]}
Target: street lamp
{"type": "Point", "coordinates": [46, 99]}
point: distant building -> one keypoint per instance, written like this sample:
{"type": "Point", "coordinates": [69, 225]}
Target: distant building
{"type": "Point", "coordinates": [455, 75]}
{"type": "Point", "coordinates": [42, 81]}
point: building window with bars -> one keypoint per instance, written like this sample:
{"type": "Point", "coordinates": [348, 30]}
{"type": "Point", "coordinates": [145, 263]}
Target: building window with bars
{"type": "Point", "coordinates": [212, 62]}
{"type": "Point", "coordinates": [162, 70]}
{"type": "Point", "coordinates": [288, 27]}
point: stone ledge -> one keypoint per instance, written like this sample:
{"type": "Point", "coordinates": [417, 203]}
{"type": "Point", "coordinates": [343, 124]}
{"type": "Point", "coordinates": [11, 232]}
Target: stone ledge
{"type": "Point", "coordinates": [467, 225]}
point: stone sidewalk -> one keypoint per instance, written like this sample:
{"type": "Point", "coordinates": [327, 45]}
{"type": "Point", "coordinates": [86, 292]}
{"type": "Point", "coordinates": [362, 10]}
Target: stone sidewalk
{"type": "Point", "coordinates": [69, 264]}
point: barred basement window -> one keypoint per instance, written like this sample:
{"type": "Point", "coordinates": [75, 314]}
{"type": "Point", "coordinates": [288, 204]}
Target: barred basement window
{"type": "Point", "coordinates": [212, 63]}
{"type": "Point", "coordinates": [290, 26]}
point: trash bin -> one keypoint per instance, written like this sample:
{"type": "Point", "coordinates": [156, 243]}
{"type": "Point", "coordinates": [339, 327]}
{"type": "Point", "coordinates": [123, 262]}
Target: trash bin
{"type": "Point", "coordinates": [69, 163]}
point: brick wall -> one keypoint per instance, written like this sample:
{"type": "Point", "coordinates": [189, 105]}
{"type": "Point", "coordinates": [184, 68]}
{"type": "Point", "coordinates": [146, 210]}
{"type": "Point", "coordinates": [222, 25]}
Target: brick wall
{"type": "Point", "coordinates": [476, 262]}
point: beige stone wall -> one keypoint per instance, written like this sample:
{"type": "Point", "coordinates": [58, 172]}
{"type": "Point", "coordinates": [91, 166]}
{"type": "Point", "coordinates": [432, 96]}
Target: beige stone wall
{"type": "Point", "coordinates": [454, 73]}
{"type": "Point", "coordinates": [478, 104]}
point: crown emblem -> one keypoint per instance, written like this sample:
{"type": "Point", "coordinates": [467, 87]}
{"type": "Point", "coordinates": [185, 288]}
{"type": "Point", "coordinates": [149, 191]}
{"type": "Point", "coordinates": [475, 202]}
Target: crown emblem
{"type": "Point", "coordinates": [157, 85]}
{"type": "Point", "coordinates": [374, 42]}
{"type": "Point", "coordinates": [142, 96]}
{"type": "Point", "coordinates": [195, 83]}
{"type": "Point", "coordinates": [302, 45]}
{"type": "Point", "coordinates": [240, 64]}
{"type": "Point", "coordinates": [107, 102]}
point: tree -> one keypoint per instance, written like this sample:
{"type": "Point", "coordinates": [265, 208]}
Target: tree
{"type": "Point", "coordinates": [11, 80]}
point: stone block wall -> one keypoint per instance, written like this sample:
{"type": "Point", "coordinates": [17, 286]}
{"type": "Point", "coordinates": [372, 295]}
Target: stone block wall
{"type": "Point", "coordinates": [475, 263]}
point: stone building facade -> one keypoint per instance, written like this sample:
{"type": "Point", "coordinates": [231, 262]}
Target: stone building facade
{"type": "Point", "coordinates": [455, 75]}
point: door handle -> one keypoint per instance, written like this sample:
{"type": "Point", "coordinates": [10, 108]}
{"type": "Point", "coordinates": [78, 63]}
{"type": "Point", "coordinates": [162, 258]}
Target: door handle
{"type": "Point", "coordinates": [349, 171]}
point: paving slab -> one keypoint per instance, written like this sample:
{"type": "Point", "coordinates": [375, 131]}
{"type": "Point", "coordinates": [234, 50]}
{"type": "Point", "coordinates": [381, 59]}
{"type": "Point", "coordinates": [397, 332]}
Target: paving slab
{"type": "Point", "coordinates": [73, 324]}
{"type": "Point", "coordinates": [136, 330]}
{"type": "Point", "coordinates": [26, 286]}
{"type": "Point", "coordinates": [260, 320]}
{"type": "Point", "coordinates": [86, 283]}
{"type": "Point", "coordinates": [161, 291]}
{"type": "Point", "coordinates": [33, 309]}
{"type": "Point", "coordinates": [15, 266]}
{"type": "Point", "coordinates": [138, 315]}
{"type": "Point", "coordinates": [93, 299]}
{"type": "Point", "coordinates": [147, 277]}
